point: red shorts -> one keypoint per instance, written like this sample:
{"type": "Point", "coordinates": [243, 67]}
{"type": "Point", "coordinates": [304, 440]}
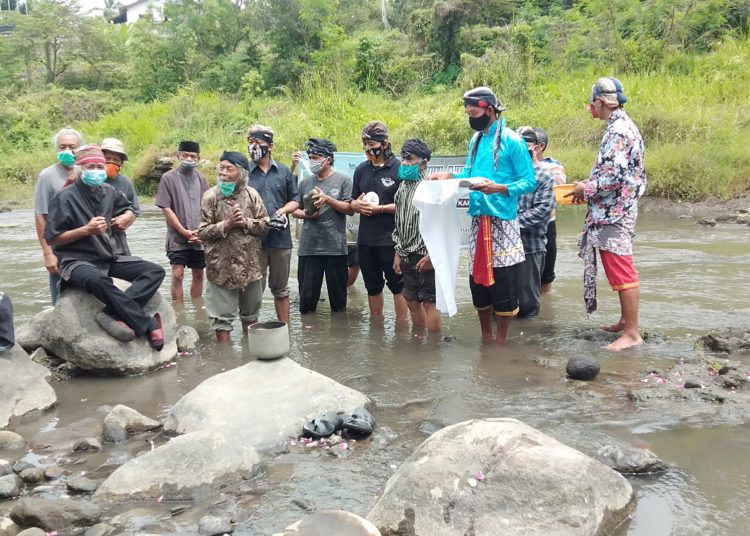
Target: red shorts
{"type": "Point", "coordinates": [620, 270]}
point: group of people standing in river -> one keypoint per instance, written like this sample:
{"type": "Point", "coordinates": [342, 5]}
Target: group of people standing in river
{"type": "Point", "coordinates": [238, 231]}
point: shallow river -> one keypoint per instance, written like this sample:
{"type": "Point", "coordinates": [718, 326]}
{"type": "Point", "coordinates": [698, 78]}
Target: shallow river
{"type": "Point", "coordinates": [693, 279]}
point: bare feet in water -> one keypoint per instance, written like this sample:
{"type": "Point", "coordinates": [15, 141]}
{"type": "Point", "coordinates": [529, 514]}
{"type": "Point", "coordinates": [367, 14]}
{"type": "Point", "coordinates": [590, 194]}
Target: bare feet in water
{"type": "Point", "coordinates": [624, 342]}
{"type": "Point", "coordinates": [615, 328]}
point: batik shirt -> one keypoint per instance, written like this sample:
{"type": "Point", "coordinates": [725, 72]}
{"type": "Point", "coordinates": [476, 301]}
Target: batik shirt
{"type": "Point", "coordinates": [618, 178]}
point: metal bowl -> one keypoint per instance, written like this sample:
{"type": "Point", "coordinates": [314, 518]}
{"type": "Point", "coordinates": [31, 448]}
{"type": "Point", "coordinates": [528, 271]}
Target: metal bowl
{"type": "Point", "coordinates": [268, 340]}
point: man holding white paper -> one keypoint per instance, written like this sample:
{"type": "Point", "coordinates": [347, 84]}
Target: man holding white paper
{"type": "Point", "coordinates": [500, 157]}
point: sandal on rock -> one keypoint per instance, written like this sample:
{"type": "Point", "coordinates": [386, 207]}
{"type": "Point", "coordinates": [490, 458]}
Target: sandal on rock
{"type": "Point", "coordinates": [116, 329]}
{"type": "Point", "coordinates": [359, 422]}
{"type": "Point", "coordinates": [324, 426]}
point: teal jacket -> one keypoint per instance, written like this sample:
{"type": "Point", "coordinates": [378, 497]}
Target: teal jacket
{"type": "Point", "coordinates": [514, 169]}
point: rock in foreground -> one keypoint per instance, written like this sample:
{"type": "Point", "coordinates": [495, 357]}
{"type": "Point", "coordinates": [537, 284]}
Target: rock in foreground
{"type": "Point", "coordinates": [23, 386]}
{"type": "Point", "coordinates": [500, 476]}
{"type": "Point", "coordinates": [582, 368]}
{"type": "Point", "coordinates": [188, 467]}
{"type": "Point", "coordinates": [261, 404]}
{"type": "Point", "coordinates": [70, 332]}
{"type": "Point", "coordinates": [727, 340]}
{"type": "Point", "coordinates": [331, 523]}
{"type": "Point", "coordinates": [62, 515]}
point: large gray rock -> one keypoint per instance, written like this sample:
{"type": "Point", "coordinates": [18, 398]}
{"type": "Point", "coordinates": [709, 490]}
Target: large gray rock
{"type": "Point", "coordinates": [630, 460]}
{"type": "Point", "coordinates": [70, 332]}
{"type": "Point", "coordinates": [188, 467]}
{"type": "Point", "coordinates": [23, 386]}
{"type": "Point", "coordinates": [261, 403]}
{"type": "Point", "coordinates": [214, 525]}
{"type": "Point", "coordinates": [332, 523]}
{"type": "Point", "coordinates": [187, 338]}
{"type": "Point", "coordinates": [729, 340]}
{"type": "Point", "coordinates": [10, 486]}
{"type": "Point", "coordinates": [500, 476]}
{"type": "Point", "coordinates": [62, 515]}
{"type": "Point", "coordinates": [11, 440]}
{"type": "Point", "coordinates": [130, 420]}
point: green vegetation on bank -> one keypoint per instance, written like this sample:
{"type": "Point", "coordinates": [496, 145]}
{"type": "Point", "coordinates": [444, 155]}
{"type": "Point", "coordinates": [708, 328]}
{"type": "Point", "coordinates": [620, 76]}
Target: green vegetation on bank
{"type": "Point", "coordinates": [325, 68]}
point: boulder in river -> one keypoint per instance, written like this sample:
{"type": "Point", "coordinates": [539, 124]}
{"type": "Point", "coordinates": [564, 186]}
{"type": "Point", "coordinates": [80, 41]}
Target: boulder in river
{"type": "Point", "coordinates": [66, 437]}
{"type": "Point", "coordinates": [262, 403]}
{"type": "Point", "coordinates": [729, 340]}
{"type": "Point", "coordinates": [582, 368]}
{"type": "Point", "coordinates": [500, 476]}
{"type": "Point", "coordinates": [191, 466]}
{"type": "Point", "coordinates": [332, 523]}
{"type": "Point", "coordinates": [62, 515]}
{"type": "Point", "coordinates": [129, 419]}
{"type": "Point", "coordinates": [70, 331]}
{"type": "Point", "coordinates": [23, 386]}
{"type": "Point", "coordinates": [630, 460]}
{"type": "Point", "coordinates": [10, 486]}
{"type": "Point", "coordinates": [11, 440]}
{"type": "Point", "coordinates": [187, 339]}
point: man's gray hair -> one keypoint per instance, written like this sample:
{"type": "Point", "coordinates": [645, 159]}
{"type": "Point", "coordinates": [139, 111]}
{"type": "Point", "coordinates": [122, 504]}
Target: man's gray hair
{"type": "Point", "coordinates": [67, 131]}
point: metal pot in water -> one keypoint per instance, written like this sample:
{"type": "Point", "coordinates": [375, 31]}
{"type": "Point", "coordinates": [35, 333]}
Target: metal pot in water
{"type": "Point", "coordinates": [268, 340]}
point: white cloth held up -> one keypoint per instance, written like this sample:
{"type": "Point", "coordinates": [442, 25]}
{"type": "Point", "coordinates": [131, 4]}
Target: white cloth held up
{"type": "Point", "coordinates": [439, 227]}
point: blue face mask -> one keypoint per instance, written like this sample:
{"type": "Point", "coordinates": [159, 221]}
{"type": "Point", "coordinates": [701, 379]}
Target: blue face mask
{"type": "Point", "coordinates": [66, 158]}
{"type": "Point", "coordinates": [408, 173]}
{"type": "Point", "coordinates": [226, 188]}
{"type": "Point", "coordinates": [93, 177]}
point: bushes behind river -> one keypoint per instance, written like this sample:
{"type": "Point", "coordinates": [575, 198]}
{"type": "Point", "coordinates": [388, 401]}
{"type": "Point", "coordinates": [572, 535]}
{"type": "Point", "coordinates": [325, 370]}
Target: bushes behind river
{"type": "Point", "coordinates": [693, 115]}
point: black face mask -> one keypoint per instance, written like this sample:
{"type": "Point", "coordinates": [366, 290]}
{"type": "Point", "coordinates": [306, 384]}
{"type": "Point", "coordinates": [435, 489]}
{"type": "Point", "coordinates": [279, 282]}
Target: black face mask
{"type": "Point", "coordinates": [479, 123]}
{"type": "Point", "coordinates": [531, 154]}
{"type": "Point", "coordinates": [257, 152]}
{"type": "Point", "coordinates": [375, 151]}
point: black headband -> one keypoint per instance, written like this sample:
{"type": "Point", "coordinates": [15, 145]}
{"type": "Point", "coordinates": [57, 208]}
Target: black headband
{"type": "Point", "coordinates": [238, 159]}
{"type": "Point", "coordinates": [260, 135]}
{"type": "Point", "coordinates": [320, 146]}
{"type": "Point", "coordinates": [416, 147]}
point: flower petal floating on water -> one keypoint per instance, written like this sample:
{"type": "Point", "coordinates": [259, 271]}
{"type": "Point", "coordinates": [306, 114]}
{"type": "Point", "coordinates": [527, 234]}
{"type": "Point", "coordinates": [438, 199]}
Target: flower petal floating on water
{"type": "Point", "coordinates": [293, 443]}
{"type": "Point", "coordinates": [480, 476]}
{"type": "Point", "coordinates": [160, 499]}
{"type": "Point", "coordinates": [343, 446]}
{"type": "Point", "coordinates": [472, 482]}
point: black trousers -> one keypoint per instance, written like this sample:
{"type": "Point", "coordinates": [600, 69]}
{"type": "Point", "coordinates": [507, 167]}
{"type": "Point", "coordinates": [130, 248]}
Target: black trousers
{"type": "Point", "coordinates": [310, 271]}
{"type": "Point", "coordinates": [145, 278]}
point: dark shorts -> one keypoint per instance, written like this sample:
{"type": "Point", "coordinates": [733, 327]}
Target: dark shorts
{"type": "Point", "coordinates": [376, 264]}
{"type": "Point", "coordinates": [352, 255]}
{"type": "Point", "coordinates": [194, 259]}
{"type": "Point", "coordinates": [502, 297]}
{"type": "Point", "coordinates": [418, 286]}
{"type": "Point", "coordinates": [548, 273]}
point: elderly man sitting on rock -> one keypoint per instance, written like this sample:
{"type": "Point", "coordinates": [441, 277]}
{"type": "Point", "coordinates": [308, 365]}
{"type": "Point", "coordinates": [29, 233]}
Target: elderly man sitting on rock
{"type": "Point", "coordinates": [79, 228]}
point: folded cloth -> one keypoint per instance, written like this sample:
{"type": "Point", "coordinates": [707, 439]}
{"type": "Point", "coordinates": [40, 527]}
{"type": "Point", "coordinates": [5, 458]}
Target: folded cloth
{"type": "Point", "coordinates": [483, 263]}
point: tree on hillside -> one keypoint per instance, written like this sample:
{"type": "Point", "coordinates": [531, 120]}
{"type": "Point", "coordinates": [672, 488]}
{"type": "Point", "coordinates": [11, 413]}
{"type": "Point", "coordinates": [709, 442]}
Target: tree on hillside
{"type": "Point", "coordinates": [46, 37]}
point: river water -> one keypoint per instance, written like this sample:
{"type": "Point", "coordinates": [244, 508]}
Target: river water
{"type": "Point", "coordinates": [693, 279]}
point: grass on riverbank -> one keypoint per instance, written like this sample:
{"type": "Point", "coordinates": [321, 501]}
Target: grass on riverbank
{"type": "Point", "coordinates": [693, 116]}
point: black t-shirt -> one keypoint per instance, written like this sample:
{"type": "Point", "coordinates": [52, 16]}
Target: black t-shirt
{"type": "Point", "coordinates": [376, 230]}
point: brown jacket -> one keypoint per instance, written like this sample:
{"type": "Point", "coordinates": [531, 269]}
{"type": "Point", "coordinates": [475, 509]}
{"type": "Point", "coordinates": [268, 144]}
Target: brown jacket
{"type": "Point", "coordinates": [233, 258]}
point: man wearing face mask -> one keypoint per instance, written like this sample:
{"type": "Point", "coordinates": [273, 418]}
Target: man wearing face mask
{"type": "Point", "coordinates": [378, 175]}
{"type": "Point", "coordinates": [115, 155]}
{"type": "Point", "coordinates": [79, 228]}
{"type": "Point", "coordinates": [179, 198]}
{"type": "Point", "coordinates": [233, 220]}
{"type": "Point", "coordinates": [51, 181]}
{"type": "Point", "coordinates": [534, 212]}
{"type": "Point", "coordinates": [327, 198]}
{"type": "Point", "coordinates": [499, 156]}
{"type": "Point", "coordinates": [412, 261]}
{"type": "Point", "coordinates": [275, 184]}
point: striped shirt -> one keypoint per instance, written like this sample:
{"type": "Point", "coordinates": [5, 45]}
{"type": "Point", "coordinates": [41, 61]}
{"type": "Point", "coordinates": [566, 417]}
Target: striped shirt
{"type": "Point", "coordinates": [406, 233]}
{"type": "Point", "coordinates": [535, 209]}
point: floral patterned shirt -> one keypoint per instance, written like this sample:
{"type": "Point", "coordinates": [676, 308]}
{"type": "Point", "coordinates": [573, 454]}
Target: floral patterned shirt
{"type": "Point", "coordinates": [618, 178]}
